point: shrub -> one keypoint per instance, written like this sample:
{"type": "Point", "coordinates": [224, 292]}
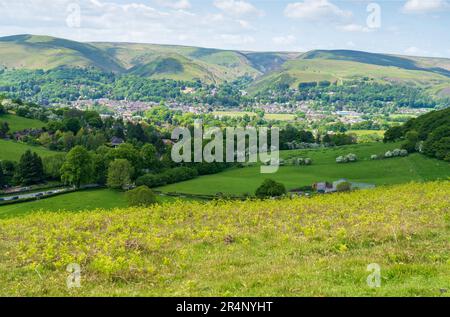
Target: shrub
{"type": "Point", "coordinates": [374, 157]}
{"type": "Point", "coordinates": [347, 158]}
{"type": "Point", "coordinates": [302, 161]}
{"type": "Point", "coordinates": [151, 180]}
{"type": "Point", "coordinates": [344, 187]}
{"type": "Point", "coordinates": [171, 176]}
{"type": "Point", "coordinates": [396, 153]}
{"type": "Point", "coordinates": [352, 157]}
{"type": "Point", "coordinates": [141, 196]}
{"type": "Point", "coordinates": [270, 188]}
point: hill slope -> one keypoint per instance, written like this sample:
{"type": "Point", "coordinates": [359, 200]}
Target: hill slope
{"type": "Point", "coordinates": [215, 66]}
{"type": "Point", "coordinates": [302, 247]}
{"type": "Point", "coordinates": [341, 65]}
{"type": "Point", "coordinates": [45, 52]}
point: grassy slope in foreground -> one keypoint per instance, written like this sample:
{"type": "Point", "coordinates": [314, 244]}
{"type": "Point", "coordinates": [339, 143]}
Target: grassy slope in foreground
{"type": "Point", "coordinates": [415, 167]}
{"type": "Point", "coordinates": [319, 246]}
{"type": "Point", "coordinates": [12, 151]}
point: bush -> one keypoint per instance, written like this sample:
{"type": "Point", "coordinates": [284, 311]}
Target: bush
{"type": "Point", "coordinates": [352, 157]}
{"type": "Point", "coordinates": [171, 176]}
{"type": "Point", "coordinates": [344, 187]}
{"type": "Point", "coordinates": [141, 196]}
{"type": "Point", "coordinates": [270, 188]}
{"type": "Point", "coordinates": [374, 157]}
{"type": "Point", "coordinates": [347, 158]}
{"type": "Point", "coordinates": [396, 153]}
{"type": "Point", "coordinates": [302, 161]}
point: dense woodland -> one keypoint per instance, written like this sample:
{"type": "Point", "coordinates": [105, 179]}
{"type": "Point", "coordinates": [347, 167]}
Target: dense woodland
{"type": "Point", "coordinates": [428, 134]}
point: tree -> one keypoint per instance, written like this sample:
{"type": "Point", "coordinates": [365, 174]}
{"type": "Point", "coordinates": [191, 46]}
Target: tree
{"type": "Point", "coordinates": [149, 157]}
{"type": "Point", "coordinates": [344, 187]}
{"type": "Point", "coordinates": [2, 178]}
{"type": "Point", "coordinates": [412, 138]}
{"type": "Point", "coordinates": [119, 174]}
{"type": "Point", "coordinates": [77, 168]}
{"type": "Point", "coordinates": [131, 154]}
{"type": "Point", "coordinates": [4, 128]}
{"type": "Point", "coordinates": [52, 165]}
{"type": "Point", "coordinates": [393, 134]}
{"type": "Point", "coordinates": [72, 124]}
{"type": "Point", "coordinates": [141, 196]}
{"type": "Point", "coordinates": [30, 169]}
{"type": "Point", "coordinates": [270, 188]}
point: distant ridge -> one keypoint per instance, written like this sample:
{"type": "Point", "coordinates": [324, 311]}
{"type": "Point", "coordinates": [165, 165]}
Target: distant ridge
{"type": "Point", "coordinates": [214, 65]}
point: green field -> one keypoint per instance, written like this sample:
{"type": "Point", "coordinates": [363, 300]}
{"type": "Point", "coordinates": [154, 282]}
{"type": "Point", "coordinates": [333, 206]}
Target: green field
{"type": "Point", "coordinates": [17, 123]}
{"type": "Point", "coordinates": [415, 167]}
{"type": "Point", "coordinates": [105, 199]}
{"type": "Point", "coordinates": [12, 151]}
{"type": "Point", "coordinates": [367, 132]}
{"type": "Point", "coordinates": [319, 247]}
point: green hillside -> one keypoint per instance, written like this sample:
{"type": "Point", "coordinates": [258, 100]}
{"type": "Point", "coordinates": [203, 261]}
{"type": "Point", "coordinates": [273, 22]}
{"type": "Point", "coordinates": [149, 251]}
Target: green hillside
{"type": "Point", "coordinates": [377, 59]}
{"type": "Point", "coordinates": [181, 62]}
{"type": "Point", "coordinates": [17, 123]}
{"type": "Point", "coordinates": [214, 65]}
{"type": "Point", "coordinates": [319, 247]}
{"type": "Point", "coordinates": [45, 52]}
{"type": "Point", "coordinates": [301, 70]}
{"type": "Point", "coordinates": [415, 167]}
{"type": "Point", "coordinates": [12, 151]}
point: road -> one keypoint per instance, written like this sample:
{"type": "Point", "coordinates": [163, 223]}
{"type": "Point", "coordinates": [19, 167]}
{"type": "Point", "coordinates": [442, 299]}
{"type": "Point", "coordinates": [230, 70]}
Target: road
{"type": "Point", "coordinates": [34, 195]}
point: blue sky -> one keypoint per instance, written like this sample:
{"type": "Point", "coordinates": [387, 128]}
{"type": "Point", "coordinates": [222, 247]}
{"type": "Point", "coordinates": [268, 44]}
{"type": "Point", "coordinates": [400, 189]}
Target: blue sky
{"type": "Point", "coordinates": [412, 27]}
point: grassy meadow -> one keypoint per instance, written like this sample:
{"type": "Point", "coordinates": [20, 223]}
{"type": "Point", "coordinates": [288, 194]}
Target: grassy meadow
{"type": "Point", "coordinates": [105, 199]}
{"type": "Point", "coordinates": [415, 167]}
{"type": "Point", "coordinates": [319, 246]}
{"type": "Point", "coordinates": [17, 123]}
{"type": "Point", "coordinates": [12, 151]}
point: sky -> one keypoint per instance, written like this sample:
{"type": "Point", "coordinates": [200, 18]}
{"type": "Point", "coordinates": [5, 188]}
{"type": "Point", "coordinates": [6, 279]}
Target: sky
{"type": "Point", "coordinates": [408, 27]}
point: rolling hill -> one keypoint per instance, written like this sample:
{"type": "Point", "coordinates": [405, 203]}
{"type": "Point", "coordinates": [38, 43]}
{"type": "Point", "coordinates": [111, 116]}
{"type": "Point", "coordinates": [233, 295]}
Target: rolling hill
{"type": "Point", "coordinates": [341, 65]}
{"type": "Point", "coordinates": [215, 66]}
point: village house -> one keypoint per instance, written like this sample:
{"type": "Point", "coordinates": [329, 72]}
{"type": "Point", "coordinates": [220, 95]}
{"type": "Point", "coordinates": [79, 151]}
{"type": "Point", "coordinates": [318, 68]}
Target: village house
{"type": "Point", "coordinates": [115, 141]}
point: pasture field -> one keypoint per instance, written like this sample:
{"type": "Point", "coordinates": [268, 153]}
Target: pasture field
{"type": "Point", "coordinates": [105, 199]}
{"type": "Point", "coordinates": [319, 246]}
{"type": "Point", "coordinates": [415, 167]}
{"type": "Point", "coordinates": [367, 132]}
{"type": "Point", "coordinates": [12, 151]}
{"type": "Point", "coordinates": [17, 123]}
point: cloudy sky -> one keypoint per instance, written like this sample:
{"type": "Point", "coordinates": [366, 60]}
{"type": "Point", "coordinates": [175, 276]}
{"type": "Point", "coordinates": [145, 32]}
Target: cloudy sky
{"type": "Point", "coordinates": [413, 27]}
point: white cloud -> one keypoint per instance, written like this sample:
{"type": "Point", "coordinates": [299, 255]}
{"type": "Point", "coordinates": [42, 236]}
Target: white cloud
{"type": "Point", "coordinates": [236, 39]}
{"type": "Point", "coordinates": [425, 6]}
{"type": "Point", "coordinates": [413, 50]}
{"type": "Point", "coordinates": [354, 28]}
{"type": "Point", "coordinates": [284, 40]}
{"type": "Point", "coordinates": [237, 7]}
{"type": "Point", "coordinates": [175, 4]}
{"type": "Point", "coordinates": [315, 10]}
